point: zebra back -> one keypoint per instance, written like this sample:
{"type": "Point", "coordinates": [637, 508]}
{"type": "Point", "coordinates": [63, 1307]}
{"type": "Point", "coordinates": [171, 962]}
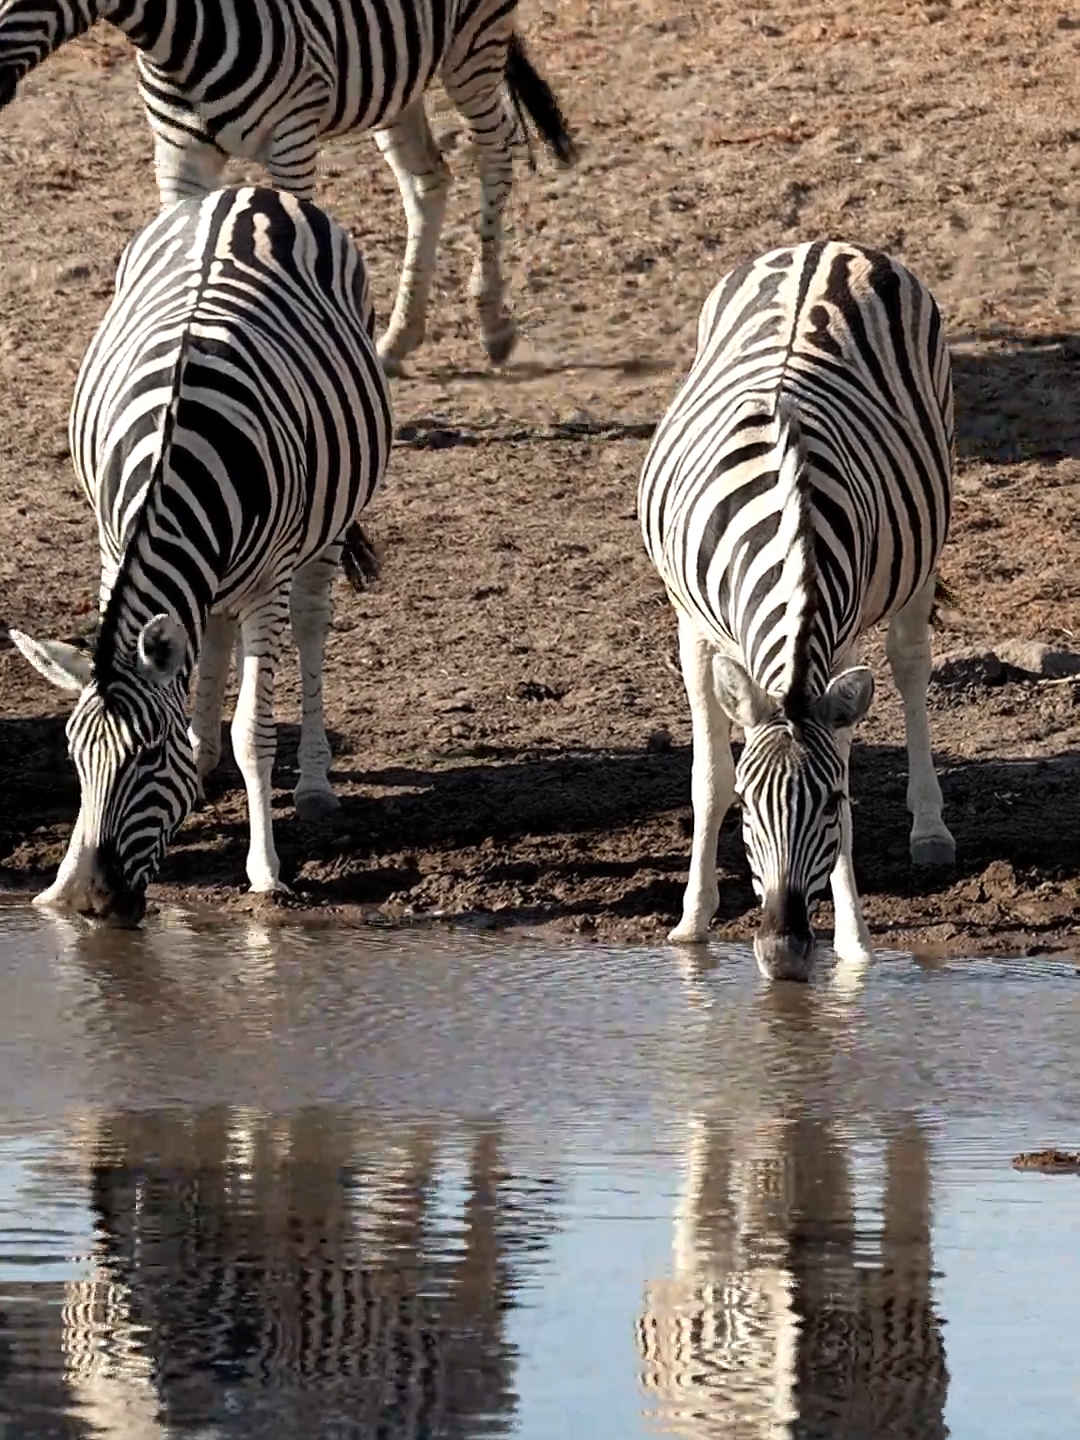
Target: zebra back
{"type": "Point", "coordinates": [823, 364]}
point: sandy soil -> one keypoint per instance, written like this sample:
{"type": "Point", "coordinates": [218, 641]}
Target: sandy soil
{"type": "Point", "coordinates": [494, 698]}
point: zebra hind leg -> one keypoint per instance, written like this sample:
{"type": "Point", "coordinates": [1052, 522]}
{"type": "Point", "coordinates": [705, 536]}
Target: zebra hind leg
{"type": "Point", "coordinates": [712, 783]}
{"type": "Point", "coordinates": [491, 127]}
{"type": "Point", "coordinates": [423, 178]}
{"type": "Point", "coordinates": [254, 735]}
{"type": "Point", "coordinates": [908, 649]}
{"type": "Point", "coordinates": [310, 609]}
{"type": "Point", "coordinates": [192, 169]}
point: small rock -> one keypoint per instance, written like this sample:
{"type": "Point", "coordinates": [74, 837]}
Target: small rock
{"type": "Point", "coordinates": [658, 741]}
{"type": "Point", "coordinates": [1049, 1162]}
{"type": "Point", "coordinates": [1034, 658]}
{"type": "Point", "coordinates": [536, 690]}
{"type": "Point", "coordinates": [958, 669]}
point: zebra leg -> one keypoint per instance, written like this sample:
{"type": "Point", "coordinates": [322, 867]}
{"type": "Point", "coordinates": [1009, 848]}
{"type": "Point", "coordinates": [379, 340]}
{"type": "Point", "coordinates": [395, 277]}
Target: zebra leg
{"type": "Point", "coordinates": [254, 735]}
{"type": "Point", "coordinates": [310, 608]}
{"type": "Point", "coordinates": [215, 658]}
{"type": "Point", "coordinates": [712, 782]}
{"type": "Point", "coordinates": [908, 649]}
{"type": "Point", "coordinates": [851, 934]}
{"type": "Point", "coordinates": [293, 155]}
{"type": "Point", "coordinates": [423, 178]}
{"type": "Point", "coordinates": [193, 168]}
{"type": "Point", "coordinates": [491, 127]}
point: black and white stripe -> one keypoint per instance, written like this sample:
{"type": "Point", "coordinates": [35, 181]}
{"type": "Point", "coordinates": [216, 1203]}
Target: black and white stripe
{"type": "Point", "coordinates": [796, 493]}
{"type": "Point", "coordinates": [267, 80]}
{"type": "Point", "coordinates": [790, 1310]}
{"type": "Point", "coordinates": [230, 421]}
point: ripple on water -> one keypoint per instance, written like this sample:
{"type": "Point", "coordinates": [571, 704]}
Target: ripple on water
{"type": "Point", "coordinates": [267, 1182]}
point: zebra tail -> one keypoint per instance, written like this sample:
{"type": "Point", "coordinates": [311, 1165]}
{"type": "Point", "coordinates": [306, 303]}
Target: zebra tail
{"type": "Point", "coordinates": [531, 93]}
{"type": "Point", "coordinates": [361, 558]}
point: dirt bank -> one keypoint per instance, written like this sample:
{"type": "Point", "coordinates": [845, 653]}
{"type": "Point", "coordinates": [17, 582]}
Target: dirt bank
{"type": "Point", "coordinates": [493, 700]}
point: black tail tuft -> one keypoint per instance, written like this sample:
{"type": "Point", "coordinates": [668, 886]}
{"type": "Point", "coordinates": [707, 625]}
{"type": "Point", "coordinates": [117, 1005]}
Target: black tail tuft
{"type": "Point", "coordinates": [361, 560]}
{"type": "Point", "coordinates": [530, 92]}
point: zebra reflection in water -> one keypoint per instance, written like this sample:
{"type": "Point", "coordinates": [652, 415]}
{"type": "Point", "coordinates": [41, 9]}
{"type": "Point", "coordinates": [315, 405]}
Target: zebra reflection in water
{"type": "Point", "coordinates": [293, 1276]}
{"type": "Point", "coordinates": [779, 1321]}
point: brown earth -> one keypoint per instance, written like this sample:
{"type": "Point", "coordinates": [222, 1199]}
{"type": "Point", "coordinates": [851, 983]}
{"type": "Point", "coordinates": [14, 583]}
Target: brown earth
{"type": "Point", "coordinates": [492, 700]}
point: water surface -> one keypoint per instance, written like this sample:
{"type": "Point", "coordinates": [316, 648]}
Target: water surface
{"type": "Point", "coordinates": [277, 1182]}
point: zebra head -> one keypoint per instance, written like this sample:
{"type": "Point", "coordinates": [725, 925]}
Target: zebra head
{"type": "Point", "coordinates": [792, 780]}
{"type": "Point", "coordinates": [128, 738]}
{"type": "Point", "coordinates": [30, 30]}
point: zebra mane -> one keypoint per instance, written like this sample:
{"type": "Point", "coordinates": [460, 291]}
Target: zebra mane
{"type": "Point", "coordinates": [799, 575]}
{"type": "Point", "coordinates": [106, 652]}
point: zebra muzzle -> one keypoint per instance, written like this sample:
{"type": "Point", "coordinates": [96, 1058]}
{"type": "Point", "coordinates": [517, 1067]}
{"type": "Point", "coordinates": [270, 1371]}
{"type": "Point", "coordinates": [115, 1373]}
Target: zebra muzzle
{"type": "Point", "coordinates": [107, 894]}
{"type": "Point", "coordinates": [784, 945]}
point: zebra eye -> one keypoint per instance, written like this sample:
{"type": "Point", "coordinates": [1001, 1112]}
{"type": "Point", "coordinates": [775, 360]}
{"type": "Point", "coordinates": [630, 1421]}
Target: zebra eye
{"type": "Point", "coordinates": [833, 803]}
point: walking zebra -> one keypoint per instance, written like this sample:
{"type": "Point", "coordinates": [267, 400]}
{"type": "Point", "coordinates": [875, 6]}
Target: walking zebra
{"type": "Point", "coordinates": [266, 80]}
{"type": "Point", "coordinates": [796, 493]}
{"type": "Point", "coordinates": [230, 420]}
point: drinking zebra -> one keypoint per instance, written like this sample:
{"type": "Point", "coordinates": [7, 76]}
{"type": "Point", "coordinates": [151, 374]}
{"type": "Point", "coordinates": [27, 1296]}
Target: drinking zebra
{"type": "Point", "coordinates": [266, 80]}
{"type": "Point", "coordinates": [796, 493]}
{"type": "Point", "coordinates": [229, 422]}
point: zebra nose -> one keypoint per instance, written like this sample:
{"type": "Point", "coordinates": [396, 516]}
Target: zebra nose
{"type": "Point", "coordinates": [784, 945]}
{"type": "Point", "coordinates": [109, 896]}
{"type": "Point", "coordinates": [784, 957]}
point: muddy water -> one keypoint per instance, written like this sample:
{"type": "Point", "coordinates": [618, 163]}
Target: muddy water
{"type": "Point", "coordinates": [313, 1184]}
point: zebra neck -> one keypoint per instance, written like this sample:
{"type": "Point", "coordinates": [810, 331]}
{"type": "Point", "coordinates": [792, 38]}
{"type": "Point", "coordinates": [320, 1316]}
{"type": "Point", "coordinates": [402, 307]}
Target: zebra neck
{"type": "Point", "coordinates": [154, 579]}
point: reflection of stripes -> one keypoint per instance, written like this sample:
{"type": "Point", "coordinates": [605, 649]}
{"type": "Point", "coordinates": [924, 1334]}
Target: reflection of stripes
{"type": "Point", "coordinates": [311, 1277]}
{"type": "Point", "coordinates": [773, 1325]}
{"type": "Point", "coordinates": [109, 1377]}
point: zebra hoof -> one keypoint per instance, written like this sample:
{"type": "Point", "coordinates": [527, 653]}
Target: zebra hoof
{"type": "Point", "coordinates": [394, 349]}
{"type": "Point", "coordinates": [314, 805]}
{"type": "Point", "coordinates": [500, 343]}
{"type": "Point", "coordinates": [933, 852]}
{"type": "Point", "coordinates": [393, 368]}
{"type": "Point", "coordinates": [687, 935]}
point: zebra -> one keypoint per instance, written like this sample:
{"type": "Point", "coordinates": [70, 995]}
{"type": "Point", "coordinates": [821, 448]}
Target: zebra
{"type": "Point", "coordinates": [797, 492]}
{"type": "Point", "coordinates": [267, 80]}
{"type": "Point", "coordinates": [230, 420]}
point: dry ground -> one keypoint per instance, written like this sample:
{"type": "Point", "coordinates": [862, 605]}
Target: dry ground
{"type": "Point", "coordinates": [492, 699]}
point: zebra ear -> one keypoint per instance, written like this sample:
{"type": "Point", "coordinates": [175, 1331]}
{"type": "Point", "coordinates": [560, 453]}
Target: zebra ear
{"type": "Point", "coordinates": [162, 648]}
{"type": "Point", "coordinates": [846, 699]}
{"type": "Point", "coordinates": [67, 668]}
{"type": "Point", "coordinates": [743, 699]}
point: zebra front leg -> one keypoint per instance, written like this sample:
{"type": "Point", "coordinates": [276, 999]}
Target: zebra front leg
{"type": "Point", "coordinates": [712, 782]}
{"type": "Point", "coordinates": [852, 942]}
{"type": "Point", "coordinates": [254, 734]}
{"type": "Point", "coordinates": [311, 609]}
{"type": "Point", "coordinates": [908, 649]}
{"type": "Point", "coordinates": [423, 178]}
{"type": "Point", "coordinates": [491, 126]}
{"type": "Point", "coordinates": [215, 659]}
{"type": "Point", "coordinates": [193, 168]}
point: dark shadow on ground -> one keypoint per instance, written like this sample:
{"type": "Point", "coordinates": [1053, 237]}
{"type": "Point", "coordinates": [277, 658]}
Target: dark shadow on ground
{"type": "Point", "coordinates": [556, 835]}
{"type": "Point", "coordinates": [1017, 396]}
